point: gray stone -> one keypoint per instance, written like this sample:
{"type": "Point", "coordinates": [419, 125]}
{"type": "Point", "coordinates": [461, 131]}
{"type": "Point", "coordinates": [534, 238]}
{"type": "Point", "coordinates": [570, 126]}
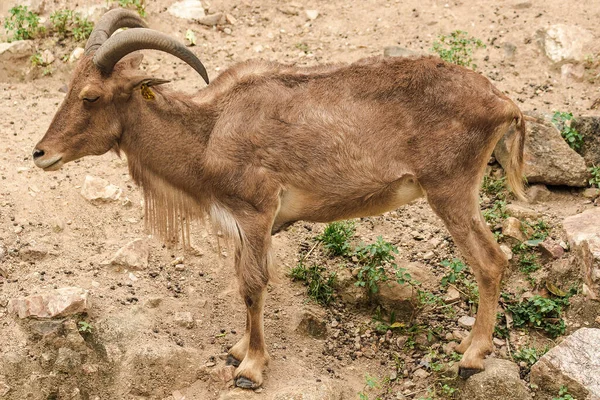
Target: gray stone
{"type": "Point", "coordinates": [589, 128]}
{"type": "Point", "coordinates": [512, 230]}
{"type": "Point", "coordinates": [466, 321]}
{"type": "Point", "coordinates": [452, 296]}
{"type": "Point", "coordinates": [548, 158]}
{"type": "Point", "coordinates": [521, 212]}
{"type": "Point", "coordinates": [76, 54]}
{"type": "Point", "coordinates": [67, 361]}
{"type": "Point", "coordinates": [187, 9]}
{"type": "Point", "coordinates": [551, 249]}
{"type": "Point", "coordinates": [574, 363]}
{"type": "Point", "coordinates": [397, 51]}
{"type": "Point", "coordinates": [312, 14]}
{"type": "Point", "coordinates": [212, 19]}
{"type": "Point", "coordinates": [184, 319]}
{"type": "Point", "coordinates": [55, 303]}
{"type": "Point", "coordinates": [565, 42]}
{"type": "Point", "coordinates": [572, 72]}
{"type": "Point", "coordinates": [583, 234]}
{"type": "Point", "coordinates": [312, 321]}
{"type": "Point", "coordinates": [134, 255]}
{"type": "Point", "coordinates": [538, 193]}
{"type": "Point", "coordinates": [2, 252]}
{"type": "Point", "coordinates": [591, 193]}
{"type": "Point", "coordinates": [97, 189]}
{"type": "Point", "coordinates": [14, 59]}
{"type": "Point", "coordinates": [499, 381]}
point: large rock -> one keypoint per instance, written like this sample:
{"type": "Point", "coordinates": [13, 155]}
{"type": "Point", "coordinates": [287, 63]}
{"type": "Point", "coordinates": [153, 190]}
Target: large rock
{"type": "Point", "coordinates": [97, 189]}
{"type": "Point", "coordinates": [134, 255]}
{"type": "Point", "coordinates": [55, 303]}
{"type": "Point", "coordinates": [548, 158]}
{"type": "Point", "coordinates": [583, 233]}
{"type": "Point", "coordinates": [311, 321]}
{"type": "Point", "coordinates": [565, 42]}
{"type": "Point", "coordinates": [589, 128]}
{"type": "Point", "coordinates": [400, 299]}
{"type": "Point", "coordinates": [154, 369]}
{"type": "Point", "coordinates": [187, 9]}
{"type": "Point", "coordinates": [499, 381]}
{"type": "Point", "coordinates": [574, 363]}
{"type": "Point", "coordinates": [14, 59]}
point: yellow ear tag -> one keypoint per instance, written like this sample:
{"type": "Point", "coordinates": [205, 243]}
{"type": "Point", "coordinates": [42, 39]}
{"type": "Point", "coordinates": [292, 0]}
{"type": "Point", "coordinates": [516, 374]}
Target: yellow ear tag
{"type": "Point", "coordinates": [147, 92]}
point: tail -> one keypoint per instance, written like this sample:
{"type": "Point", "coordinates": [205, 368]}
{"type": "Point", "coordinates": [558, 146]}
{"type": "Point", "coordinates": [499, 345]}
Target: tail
{"type": "Point", "coordinates": [514, 170]}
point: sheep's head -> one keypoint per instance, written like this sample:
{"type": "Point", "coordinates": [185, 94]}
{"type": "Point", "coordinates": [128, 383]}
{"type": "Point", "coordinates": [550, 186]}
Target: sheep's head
{"type": "Point", "coordinates": [88, 120]}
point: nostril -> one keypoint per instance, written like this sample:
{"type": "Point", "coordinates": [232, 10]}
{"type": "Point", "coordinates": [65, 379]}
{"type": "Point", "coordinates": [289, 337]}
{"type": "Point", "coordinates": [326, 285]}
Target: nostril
{"type": "Point", "coordinates": [37, 153]}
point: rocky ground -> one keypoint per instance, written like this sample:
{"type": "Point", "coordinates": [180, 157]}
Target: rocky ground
{"type": "Point", "coordinates": [93, 308]}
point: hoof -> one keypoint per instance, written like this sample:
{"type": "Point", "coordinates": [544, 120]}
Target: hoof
{"type": "Point", "coordinates": [231, 360]}
{"type": "Point", "coordinates": [245, 383]}
{"type": "Point", "coordinates": [466, 373]}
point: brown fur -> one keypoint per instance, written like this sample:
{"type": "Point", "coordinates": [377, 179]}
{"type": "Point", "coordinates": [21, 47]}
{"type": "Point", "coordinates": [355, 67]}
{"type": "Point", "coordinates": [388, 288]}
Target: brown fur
{"type": "Point", "coordinates": [267, 144]}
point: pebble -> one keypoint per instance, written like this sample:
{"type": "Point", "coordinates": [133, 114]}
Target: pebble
{"type": "Point", "coordinates": [466, 322]}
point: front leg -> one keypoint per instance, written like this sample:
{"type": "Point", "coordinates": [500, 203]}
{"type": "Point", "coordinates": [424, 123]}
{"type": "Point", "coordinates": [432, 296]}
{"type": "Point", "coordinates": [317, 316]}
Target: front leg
{"type": "Point", "coordinates": [236, 353]}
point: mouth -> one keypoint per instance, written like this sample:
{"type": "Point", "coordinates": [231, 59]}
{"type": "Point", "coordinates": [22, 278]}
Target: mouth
{"type": "Point", "coordinates": [51, 164]}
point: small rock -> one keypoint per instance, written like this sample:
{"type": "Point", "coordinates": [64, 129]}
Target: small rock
{"type": "Point", "coordinates": [47, 57]}
{"type": "Point", "coordinates": [312, 14]}
{"type": "Point", "coordinates": [187, 9]}
{"type": "Point", "coordinates": [521, 212]}
{"type": "Point", "coordinates": [2, 252]}
{"type": "Point", "coordinates": [538, 193]}
{"type": "Point", "coordinates": [134, 255]}
{"type": "Point", "coordinates": [154, 302]}
{"type": "Point", "coordinates": [550, 249]}
{"type": "Point", "coordinates": [184, 319]}
{"type": "Point", "coordinates": [98, 189]}
{"type": "Point", "coordinates": [512, 228]}
{"type": "Point", "coordinates": [572, 72]}
{"type": "Point", "coordinates": [583, 233]}
{"type": "Point", "coordinates": [76, 54]}
{"type": "Point", "coordinates": [230, 19]}
{"type": "Point", "coordinates": [588, 127]}
{"type": "Point", "coordinates": [57, 224]}
{"type": "Point", "coordinates": [466, 321]}
{"type": "Point", "coordinates": [311, 321]}
{"type": "Point", "coordinates": [573, 363]}
{"type": "Point", "coordinates": [507, 251]}
{"type": "Point", "coordinates": [421, 374]}
{"type": "Point", "coordinates": [499, 381]}
{"type": "Point", "coordinates": [499, 342]}
{"type": "Point", "coordinates": [177, 395]}
{"type": "Point", "coordinates": [591, 193]}
{"type": "Point", "coordinates": [56, 303]}
{"type": "Point", "coordinates": [212, 20]}
{"type": "Point", "coordinates": [565, 42]}
{"type": "Point", "coordinates": [452, 296]}
{"type": "Point", "coordinates": [67, 360]}
{"type": "Point", "coordinates": [223, 376]}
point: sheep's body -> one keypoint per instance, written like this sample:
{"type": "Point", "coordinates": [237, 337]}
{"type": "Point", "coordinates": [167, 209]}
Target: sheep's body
{"type": "Point", "coordinates": [266, 145]}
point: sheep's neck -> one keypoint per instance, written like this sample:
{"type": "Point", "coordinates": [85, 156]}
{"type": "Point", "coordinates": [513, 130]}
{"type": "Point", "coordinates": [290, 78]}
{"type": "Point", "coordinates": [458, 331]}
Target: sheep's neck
{"type": "Point", "coordinates": [165, 143]}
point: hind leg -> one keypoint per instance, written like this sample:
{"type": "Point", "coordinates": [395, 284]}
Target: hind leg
{"type": "Point", "coordinates": [462, 216]}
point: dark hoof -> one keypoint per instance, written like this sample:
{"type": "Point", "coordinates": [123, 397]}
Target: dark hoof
{"type": "Point", "coordinates": [466, 373]}
{"type": "Point", "coordinates": [231, 360]}
{"type": "Point", "coordinates": [245, 383]}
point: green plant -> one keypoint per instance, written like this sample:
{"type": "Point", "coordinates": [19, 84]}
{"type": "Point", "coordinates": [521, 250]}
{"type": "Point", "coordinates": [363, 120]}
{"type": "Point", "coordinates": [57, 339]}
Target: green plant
{"type": "Point", "coordinates": [22, 24]}
{"type": "Point", "coordinates": [529, 355]}
{"type": "Point", "coordinates": [494, 187]}
{"type": "Point", "coordinates": [319, 288]}
{"type": "Point", "coordinates": [138, 5]}
{"type": "Point", "coordinates": [373, 259]}
{"type": "Point", "coordinates": [370, 384]}
{"type": "Point", "coordinates": [67, 23]}
{"type": "Point", "coordinates": [85, 327]}
{"type": "Point", "coordinates": [540, 313]}
{"type": "Point", "coordinates": [563, 394]}
{"type": "Point", "coordinates": [595, 179]}
{"type": "Point", "coordinates": [457, 48]}
{"type": "Point", "coordinates": [36, 60]}
{"type": "Point", "coordinates": [562, 121]}
{"type": "Point", "coordinates": [303, 47]}
{"type": "Point", "coordinates": [496, 212]}
{"type": "Point", "coordinates": [458, 277]}
{"type": "Point", "coordinates": [336, 237]}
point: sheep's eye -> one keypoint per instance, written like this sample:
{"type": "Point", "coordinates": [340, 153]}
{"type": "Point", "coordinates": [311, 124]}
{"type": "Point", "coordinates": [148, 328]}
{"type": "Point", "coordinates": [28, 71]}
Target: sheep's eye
{"type": "Point", "coordinates": [90, 99]}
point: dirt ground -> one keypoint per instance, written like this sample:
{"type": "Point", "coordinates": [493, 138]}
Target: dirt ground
{"type": "Point", "coordinates": [70, 238]}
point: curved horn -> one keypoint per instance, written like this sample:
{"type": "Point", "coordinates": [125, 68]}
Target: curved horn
{"type": "Point", "coordinates": [109, 23]}
{"type": "Point", "coordinates": [118, 46]}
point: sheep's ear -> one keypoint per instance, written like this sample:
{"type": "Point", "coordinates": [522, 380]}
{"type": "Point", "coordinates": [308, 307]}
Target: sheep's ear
{"type": "Point", "coordinates": [154, 82]}
{"type": "Point", "coordinates": [145, 85]}
{"type": "Point", "coordinates": [131, 61]}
